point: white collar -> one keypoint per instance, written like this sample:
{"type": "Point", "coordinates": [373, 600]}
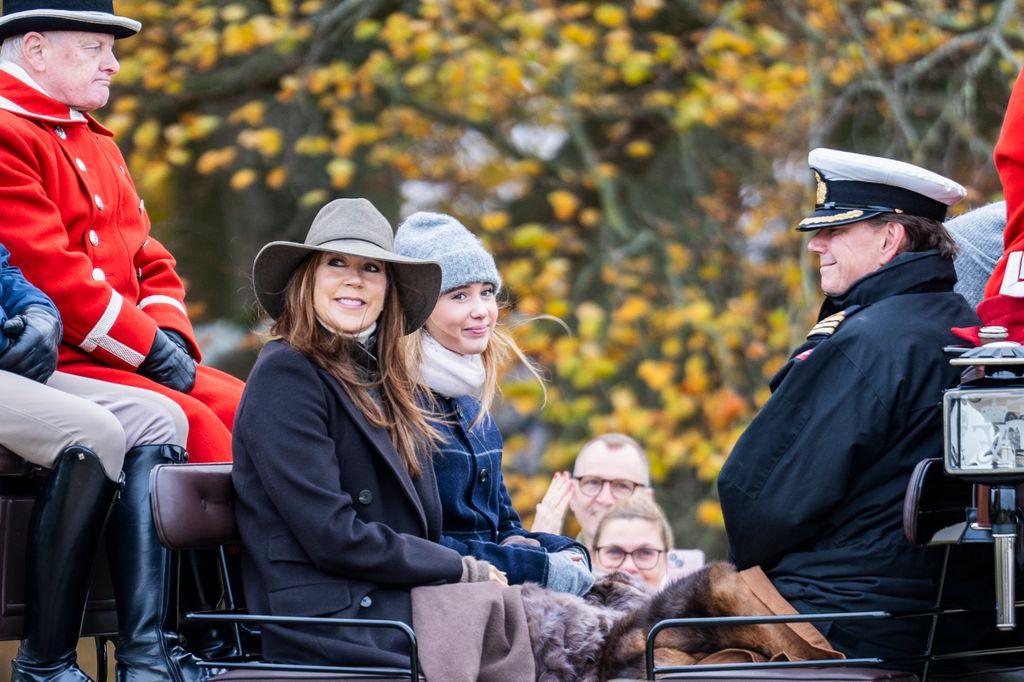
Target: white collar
{"type": "Point", "coordinates": [22, 75]}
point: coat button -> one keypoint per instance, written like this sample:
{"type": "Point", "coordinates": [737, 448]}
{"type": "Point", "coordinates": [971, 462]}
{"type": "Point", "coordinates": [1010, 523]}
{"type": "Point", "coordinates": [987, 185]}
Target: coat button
{"type": "Point", "coordinates": [98, 274]}
{"type": "Point", "coordinates": [483, 475]}
{"type": "Point", "coordinates": [59, 132]}
{"type": "Point", "coordinates": [99, 201]}
{"type": "Point", "coordinates": [366, 602]}
{"type": "Point", "coordinates": [365, 497]}
{"type": "Point", "coordinates": [94, 238]}
{"type": "Point", "coordinates": [81, 165]}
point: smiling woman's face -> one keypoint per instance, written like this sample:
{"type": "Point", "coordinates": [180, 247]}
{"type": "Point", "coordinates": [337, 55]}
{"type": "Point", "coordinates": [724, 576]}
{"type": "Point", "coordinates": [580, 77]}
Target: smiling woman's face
{"type": "Point", "coordinates": [464, 318]}
{"type": "Point", "coordinates": [348, 291]}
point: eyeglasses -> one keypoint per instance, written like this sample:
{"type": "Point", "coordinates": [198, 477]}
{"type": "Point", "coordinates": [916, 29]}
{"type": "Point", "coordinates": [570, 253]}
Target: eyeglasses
{"type": "Point", "coordinates": [620, 487]}
{"type": "Point", "coordinates": [613, 556]}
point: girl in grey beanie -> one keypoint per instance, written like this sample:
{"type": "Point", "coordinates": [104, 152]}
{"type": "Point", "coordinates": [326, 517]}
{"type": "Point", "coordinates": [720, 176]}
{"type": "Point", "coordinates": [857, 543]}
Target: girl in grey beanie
{"type": "Point", "coordinates": [460, 351]}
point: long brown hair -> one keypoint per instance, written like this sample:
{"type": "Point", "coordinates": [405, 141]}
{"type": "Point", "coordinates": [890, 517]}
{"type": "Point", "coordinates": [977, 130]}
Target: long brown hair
{"type": "Point", "coordinates": [398, 411]}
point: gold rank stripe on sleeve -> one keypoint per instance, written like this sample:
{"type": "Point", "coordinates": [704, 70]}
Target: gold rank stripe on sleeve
{"type": "Point", "coordinates": [828, 326]}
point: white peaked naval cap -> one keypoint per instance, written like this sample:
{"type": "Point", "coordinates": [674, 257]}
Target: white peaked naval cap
{"type": "Point", "coordinates": [853, 187]}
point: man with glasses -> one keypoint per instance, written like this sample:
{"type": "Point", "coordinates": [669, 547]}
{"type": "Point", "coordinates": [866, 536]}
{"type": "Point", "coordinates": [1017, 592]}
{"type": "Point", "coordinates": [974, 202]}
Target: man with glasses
{"type": "Point", "coordinates": [609, 468]}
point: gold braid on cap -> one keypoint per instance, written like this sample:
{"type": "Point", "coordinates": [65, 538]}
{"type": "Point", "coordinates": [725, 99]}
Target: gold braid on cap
{"type": "Point", "coordinates": [818, 220]}
{"type": "Point", "coordinates": [821, 189]}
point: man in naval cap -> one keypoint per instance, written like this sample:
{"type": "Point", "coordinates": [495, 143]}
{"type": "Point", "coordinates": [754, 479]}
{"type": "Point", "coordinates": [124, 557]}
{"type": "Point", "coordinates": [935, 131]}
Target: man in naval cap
{"type": "Point", "coordinates": [813, 490]}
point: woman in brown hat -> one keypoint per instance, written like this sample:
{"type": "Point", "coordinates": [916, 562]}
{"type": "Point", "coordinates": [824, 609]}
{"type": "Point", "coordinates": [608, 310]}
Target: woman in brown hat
{"type": "Point", "coordinates": [337, 502]}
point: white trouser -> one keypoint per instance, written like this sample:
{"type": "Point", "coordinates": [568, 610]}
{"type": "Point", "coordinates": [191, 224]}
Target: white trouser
{"type": "Point", "coordinates": [39, 421]}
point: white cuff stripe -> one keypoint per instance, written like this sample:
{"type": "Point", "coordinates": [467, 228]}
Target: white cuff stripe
{"type": "Point", "coordinates": [118, 349]}
{"type": "Point", "coordinates": [103, 326]}
{"type": "Point", "coordinates": [99, 336]}
{"type": "Point", "coordinates": [159, 298]}
{"type": "Point", "coordinates": [1013, 282]}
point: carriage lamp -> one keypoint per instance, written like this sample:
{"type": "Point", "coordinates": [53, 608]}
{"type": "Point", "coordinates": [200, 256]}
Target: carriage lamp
{"type": "Point", "coordinates": [983, 418]}
{"type": "Point", "coordinates": [983, 434]}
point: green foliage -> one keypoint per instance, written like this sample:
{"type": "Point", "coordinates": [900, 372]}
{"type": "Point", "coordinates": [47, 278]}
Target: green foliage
{"type": "Point", "coordinates": [636, 167]}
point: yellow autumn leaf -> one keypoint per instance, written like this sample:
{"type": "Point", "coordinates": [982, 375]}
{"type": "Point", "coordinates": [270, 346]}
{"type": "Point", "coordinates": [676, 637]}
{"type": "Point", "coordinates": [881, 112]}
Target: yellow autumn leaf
{"type": "Point", "coordinates": [494, 221]}
{"type": "Point", "coordinates": [238, 39]}
{"type": "Point", "coordinates": [340, 172]}
{"type": "Point", "coordinates": [276, 177]}
{"type": "Point", "coordinates": [709, 513]}
{"type": "Point", "coordinates": [610, 15]}
{"type": "Point", "coordinates": [313, 145]}
{"type": "Point", "coordinates": [639, 149]}
{"type": "Point", "coordinates": [366, 29]}
{"type": "Point", "coordinates": [147, 134]}
{"type": "Point", "coordinates": [251, 113]}
{"type": "Point", "coordinates": [564, 204]}
{"type": "Point", "coordinates": [418, 75]}
{"type": "Point", "coordinates": [656, 373]}
{"type": "Point", "coordinates": [696, 379]}
{"type": "Point", "coordinates": [234, 12]}
{"type": "Point", "coordinates": [215, 159]}
{"type": "Point", "coordinates": [267, 141]}
{"type": "Point", "coordinates": [243, 178]}
{"type": "Point", "coordinates": [644, 10]}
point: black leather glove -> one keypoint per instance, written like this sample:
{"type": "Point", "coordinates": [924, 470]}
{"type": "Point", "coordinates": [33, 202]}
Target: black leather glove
{"type": "Point", "coordinates": [169, 364]}
{"type": "Point", "coordinates": [35, 335]}
{"type": "Point", "coordinates": [178, 340]}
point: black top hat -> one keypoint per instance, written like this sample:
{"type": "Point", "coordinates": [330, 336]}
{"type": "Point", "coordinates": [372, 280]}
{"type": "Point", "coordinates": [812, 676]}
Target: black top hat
{"type": "Point", "coordinates": [93, 16]}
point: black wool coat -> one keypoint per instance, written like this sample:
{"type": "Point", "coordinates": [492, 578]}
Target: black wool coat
{"type": "Point", "coordinates": [813, 490]}
{"type": "Point", "coordinates": [331, 522]}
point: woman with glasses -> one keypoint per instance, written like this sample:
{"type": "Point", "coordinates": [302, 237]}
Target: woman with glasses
{"type": "Point", "coordinates": [634, 537]}
{"type": "Point", "coordinates": [460, 351]}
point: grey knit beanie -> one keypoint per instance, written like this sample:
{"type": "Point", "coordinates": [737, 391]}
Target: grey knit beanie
{"type": "Point", "coordinates": [979, 234]}
{"type": "Point", "coordinates": [443, 239]}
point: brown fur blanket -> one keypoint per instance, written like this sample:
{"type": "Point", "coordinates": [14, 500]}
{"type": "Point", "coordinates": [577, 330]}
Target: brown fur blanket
{"type": "Point", "coordinates": [604, 635]}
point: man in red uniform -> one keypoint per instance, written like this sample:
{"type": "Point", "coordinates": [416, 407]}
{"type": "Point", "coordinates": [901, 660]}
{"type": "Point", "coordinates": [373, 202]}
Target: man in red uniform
{"type": "Point", "coordinates": [74, 224]}
{"type": "Point", "coordinates": [78, 230]}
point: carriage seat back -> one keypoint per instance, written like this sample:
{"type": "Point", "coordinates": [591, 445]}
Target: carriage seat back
{"type": "Point", "coordinates": [193, 505]}
{"type": "Point", "coordinates": [935, 506]}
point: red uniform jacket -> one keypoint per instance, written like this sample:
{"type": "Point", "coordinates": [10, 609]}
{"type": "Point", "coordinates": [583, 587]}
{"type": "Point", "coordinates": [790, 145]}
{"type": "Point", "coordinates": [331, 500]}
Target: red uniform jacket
{"type": "Point", "coordinates": [74, 224]}
{"type": "Point", "coordinates": [76, 227]}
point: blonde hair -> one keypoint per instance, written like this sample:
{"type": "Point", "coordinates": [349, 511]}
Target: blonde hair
{"type": "Point", "coordinates": [637, 507]}
{"type": "Point", "coordinates": [398, 411]}
{"type": "Point", "coordinates": [501, 349]}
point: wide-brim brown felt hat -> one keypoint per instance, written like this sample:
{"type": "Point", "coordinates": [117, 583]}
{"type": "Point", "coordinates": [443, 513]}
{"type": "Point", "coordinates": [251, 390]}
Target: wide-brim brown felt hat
{"type": "Point", "coordinates": [93, 16]}
{"type": "Point", "coordinates": [356, 228]}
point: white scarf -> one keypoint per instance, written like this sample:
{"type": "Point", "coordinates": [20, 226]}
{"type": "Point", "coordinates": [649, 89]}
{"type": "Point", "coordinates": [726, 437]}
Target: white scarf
{"type": "Point", "coordinates": [449, 373]}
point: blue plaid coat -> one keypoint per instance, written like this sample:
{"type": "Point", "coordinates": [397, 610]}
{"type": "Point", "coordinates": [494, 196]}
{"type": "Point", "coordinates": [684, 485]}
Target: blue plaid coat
{"type": "Point", "coordinates": [477, 511]}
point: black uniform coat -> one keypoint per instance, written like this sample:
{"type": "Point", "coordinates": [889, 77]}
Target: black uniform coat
{"type": "Point", "coordinates": [331, 522]}
{"type": "Point", "coordinates": [813, 490]}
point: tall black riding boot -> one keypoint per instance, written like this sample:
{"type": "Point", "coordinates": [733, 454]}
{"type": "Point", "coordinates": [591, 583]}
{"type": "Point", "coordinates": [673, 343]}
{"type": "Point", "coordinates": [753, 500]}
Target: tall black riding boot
{"type": "Point", "coordinates": [67, 522]}
{"type": "Point", "coordinates": [147, 645]}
